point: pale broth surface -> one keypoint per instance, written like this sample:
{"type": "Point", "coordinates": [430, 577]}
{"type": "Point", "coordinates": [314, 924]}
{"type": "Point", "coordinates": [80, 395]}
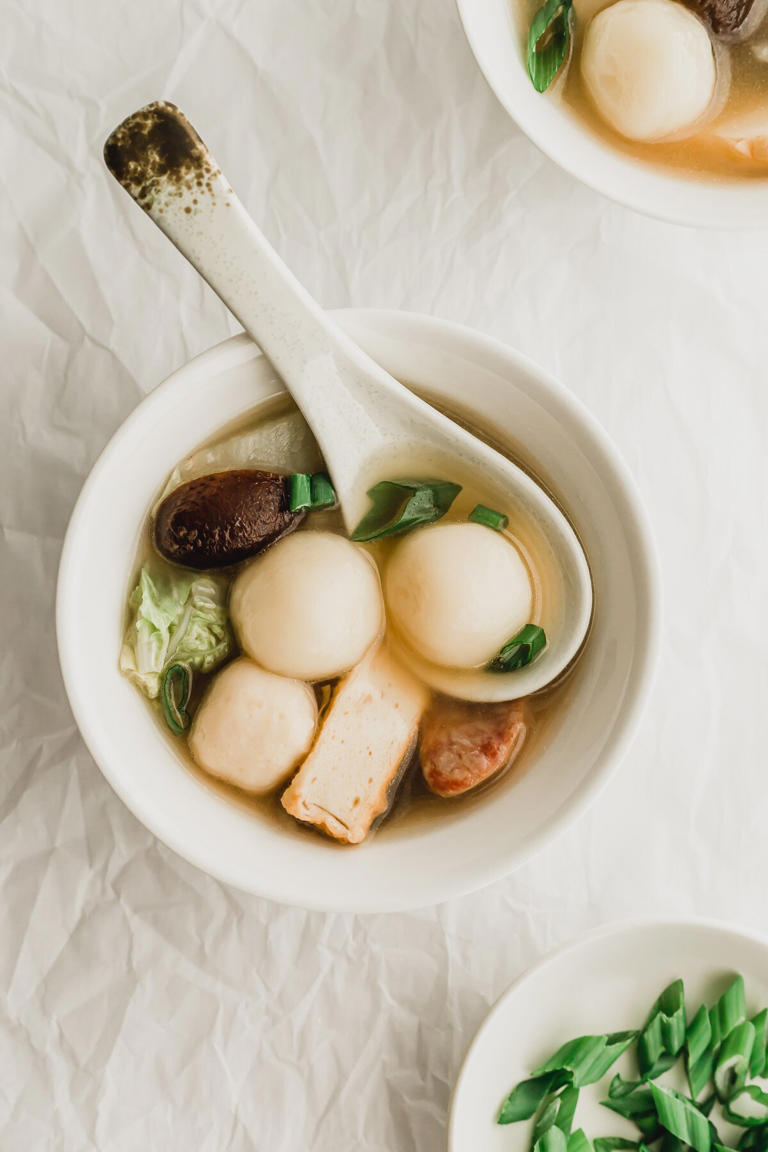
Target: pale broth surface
{"type": "Point", "coordinates": [414, 803]}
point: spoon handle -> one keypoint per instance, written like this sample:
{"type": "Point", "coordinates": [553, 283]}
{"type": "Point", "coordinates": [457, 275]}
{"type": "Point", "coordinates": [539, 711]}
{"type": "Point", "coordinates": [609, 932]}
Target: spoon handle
{"type": "Point", "coordinates": [160, 160]}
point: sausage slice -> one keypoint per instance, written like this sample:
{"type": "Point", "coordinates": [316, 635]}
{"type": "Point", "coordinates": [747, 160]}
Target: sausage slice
{"type": "Point", "coordinates": [464, 744]}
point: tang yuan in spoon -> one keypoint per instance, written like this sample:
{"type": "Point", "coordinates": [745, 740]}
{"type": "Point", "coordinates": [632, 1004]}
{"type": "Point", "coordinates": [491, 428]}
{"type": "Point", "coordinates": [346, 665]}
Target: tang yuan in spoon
{"type": "Point", "coordinates": [370, 428]}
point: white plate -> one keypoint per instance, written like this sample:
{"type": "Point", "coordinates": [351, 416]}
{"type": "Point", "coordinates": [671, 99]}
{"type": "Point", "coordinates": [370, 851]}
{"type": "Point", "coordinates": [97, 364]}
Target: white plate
{"type": "Point", "coordinates": [604, 982]}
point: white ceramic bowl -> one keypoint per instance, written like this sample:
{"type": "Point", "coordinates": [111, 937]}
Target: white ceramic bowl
{"type": "Point", "coordinates": [495, 39]}
{"type": "Point", "coordinates": [472, 844]}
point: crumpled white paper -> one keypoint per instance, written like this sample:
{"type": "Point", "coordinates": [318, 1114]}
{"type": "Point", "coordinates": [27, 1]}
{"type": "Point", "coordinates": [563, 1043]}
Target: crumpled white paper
{"type": "Point", "coordinates": [146, 1006]}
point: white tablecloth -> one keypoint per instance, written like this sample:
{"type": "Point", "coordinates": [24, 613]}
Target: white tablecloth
{"type": "Point", "coordinates": [146, 1006]}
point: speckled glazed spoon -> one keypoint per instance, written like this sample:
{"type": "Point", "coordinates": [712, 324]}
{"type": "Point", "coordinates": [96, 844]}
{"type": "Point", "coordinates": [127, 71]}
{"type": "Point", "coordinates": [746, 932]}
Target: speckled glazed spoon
{"type": "Point", "coordinates": [368, 425]}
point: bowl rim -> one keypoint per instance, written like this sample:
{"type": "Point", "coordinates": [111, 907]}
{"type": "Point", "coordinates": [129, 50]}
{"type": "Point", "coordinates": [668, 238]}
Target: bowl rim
{"type": "Point", "coordinates": [697, 214]}
{"type": "Point", "coordinates": [393, 323]}
{"type": "Point", "coordinates": [573, 944]}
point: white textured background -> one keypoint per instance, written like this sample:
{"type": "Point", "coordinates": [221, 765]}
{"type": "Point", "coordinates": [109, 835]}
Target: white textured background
{"type": "Point", "coordinates": [145, 1006]}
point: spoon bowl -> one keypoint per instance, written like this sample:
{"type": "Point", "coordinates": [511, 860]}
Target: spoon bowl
{"type": "Point", "coordinates": [366, 423]}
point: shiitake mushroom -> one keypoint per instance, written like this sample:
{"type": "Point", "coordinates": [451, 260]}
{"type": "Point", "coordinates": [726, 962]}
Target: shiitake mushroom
{"type": "Point", "coordinates": [223, 518]}
{"type": "Point", "coordinates": [731, 19]}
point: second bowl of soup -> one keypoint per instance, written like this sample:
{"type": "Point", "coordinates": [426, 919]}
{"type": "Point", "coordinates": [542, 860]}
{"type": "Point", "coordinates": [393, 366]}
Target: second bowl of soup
{"type": "Point", "coordinates": [659, 104]}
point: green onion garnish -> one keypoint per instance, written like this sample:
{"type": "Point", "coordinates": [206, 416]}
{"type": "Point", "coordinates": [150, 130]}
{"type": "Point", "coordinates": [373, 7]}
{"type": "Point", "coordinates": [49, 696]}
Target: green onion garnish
{"type": "Point", "coordinates": [748, 1108]}
{"type": "Point", "coordinates": [175, 692]}
{"type": "Point", "coordinates": [663, 1035]}
{"type": "Point", "coordinates": [633, 1100]}
{"type": "Point", "coordinates": [548, 40]}
{"type": "Point", "coordinates": [528, 1096]}
{"type": "Point", "coordinates": [733, 1060]}
{"type": "Point", "coordinates": [299, 491]}
{"type": "Point", "coordinates": [520, 650]}
{"type": "Point", "coordinates": [682, 1118]}
{"type": "Point", "coordinates": [489, 517]}
{"type": "Point", "coordinates": [578, 1141]}
{"type": "Point", "coordinates": [699, 1057]}
{"type": "Point", "coordinates": [400, 505]}
{"type": "Point", "coordinates": [754, 1140]}
{"type": "Point", "coordinates": [322, 494]}
{"type": "Point", "coordinates": [729, 1011]}
{"type": "Point", "coordinates": [614, 1144]}
{"type": "Point", "coordinates": [757, 1060]}
{"type": "Point", "coordinates": [588, 1058]}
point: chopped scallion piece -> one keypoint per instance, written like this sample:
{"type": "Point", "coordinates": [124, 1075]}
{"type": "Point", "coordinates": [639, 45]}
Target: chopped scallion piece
{"type": "Point", "coordinates": [548, 41]}
{"type": "Point", "coordinates": [633, 1100]}
{"type": "Point", "coordinates": [748, 1108]}
{"type": "Point", "coordinates": [757, 1061]}
{"type": "Point", "coordinates": [528, 1096]}
{"type": "Point", "coordinates": [733, 1060]}
{"type": "Point", "coordinates": [175, 692]}
{"type": "Point", "coordinates": [664, 1033]}
{"type": "Point", "coordinates": [682, 1118]}
{"type": "Point", "coordinates": [553, 1140]}
{"type": "Point", "coordinates": [557, 1111]}
{"type": "Point", "coordinates": [578, 1141]}
{"type": "Point", "coordinates": [729, 1011]}
{"type": "Point", "coordinates": [322, 494]}
{"type": "Point", "coordinates": [588, 1058]}
{"type": "Point", "coordinates": [754, 1140]}
{"type": "Point", "coordinates": [489, 517]}
{"type": "Point", "coordinates": [520, 650]}
{"type": "Point", "coordinates": [614, 1144]}
{"type": "Point", "coordinates": [400, 505]}
{"type": "Point", "coordinates": [299, 491]}
{"type": "Point", "coordinates": [699, 1057]}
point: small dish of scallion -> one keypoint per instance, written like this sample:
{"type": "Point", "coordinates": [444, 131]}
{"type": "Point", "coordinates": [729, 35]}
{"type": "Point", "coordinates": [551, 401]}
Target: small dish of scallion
{"type": "Point", "coordinates": [638, 1038]}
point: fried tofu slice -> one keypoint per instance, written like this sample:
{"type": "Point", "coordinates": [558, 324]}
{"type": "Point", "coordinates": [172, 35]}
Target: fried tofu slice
{"type": "Point", "coordinates": [365, 742]}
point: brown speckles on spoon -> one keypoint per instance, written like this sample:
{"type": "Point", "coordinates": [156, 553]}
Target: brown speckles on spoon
{"type": "Point", "coordinates": [157, 155]}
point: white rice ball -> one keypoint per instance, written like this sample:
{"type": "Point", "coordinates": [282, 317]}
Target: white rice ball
{"type": "Point", "coordinates": [457, 592]}
{"type": "Point", "coordinates": [253, 728]}
{"type": "Point", "coordinates": [649, 67]}
{"type": "Point", "coordinates": [309, 607]}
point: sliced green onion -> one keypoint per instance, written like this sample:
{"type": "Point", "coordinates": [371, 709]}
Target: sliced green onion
{"type": "Point", "coordinates": [520, 650]}
{"type": "Point", "coordinates": [748, 1108]}
{"type": "Point", "coordinates": [299, 491]}
{"type": "Point", "coordinates": [400, 505]}
{"type": "Point", "coordinates": [633, 1100]}
{"type": "Point", "coordinates": [733, 1060]}
{"type": "Point", "coordinates": [663, 1035]}
{"type": "Point", "coordinates": [529, 1095]}
{"type": "Point", "coordinates": [558, 1112]}
{"type": "Point", "coordinates": [489, 517]}
{"type": "Point", "coordinates": [754, 1139]}
{"type": "Point", "coordinates": [553, 1140]}
{"type": "Point", "coordinates": [699, 1057]}
{"type": "Point", "coordinates": [757, 1060]}
{"type": "Point", "coordinates": [175, 692]}
{"type": "Point", "coordinates": [321, 491]}
{"type": "Point", "coordinates": [588, 1058]}
{"type": "Point", "coordinates": [614, 1144]}
{"type": "Point", "coordinates": [682, 1118]}
{"type": "Point", "coordinates": [548, 40]}
{"type": "Point", "coordinates": [729, 1011]}
{"type": "Point", "coordinates": [579, 1142]}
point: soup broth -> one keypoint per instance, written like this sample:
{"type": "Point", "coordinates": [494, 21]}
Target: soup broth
{"type": "Point", "coordinates": [413, 802]}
